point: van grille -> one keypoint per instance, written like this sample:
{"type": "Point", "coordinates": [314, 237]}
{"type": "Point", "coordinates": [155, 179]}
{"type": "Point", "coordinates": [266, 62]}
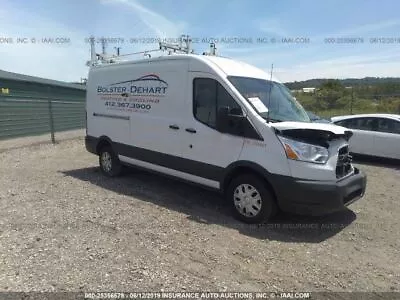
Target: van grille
{"type": "Point", "coordinates": [343, 166]}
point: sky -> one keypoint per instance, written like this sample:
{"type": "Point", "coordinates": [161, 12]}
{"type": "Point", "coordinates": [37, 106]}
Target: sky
{"type": "Point", "coordinates": [302, 39]}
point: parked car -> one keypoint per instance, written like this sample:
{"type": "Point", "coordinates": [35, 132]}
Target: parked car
{"type": "Point", "coordinates": [317, 119]}
{"type": "Point", "coordinates": [373, 134]}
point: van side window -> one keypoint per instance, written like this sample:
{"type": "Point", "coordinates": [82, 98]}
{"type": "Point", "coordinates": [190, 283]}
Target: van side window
{"type": "Point", "coordinates": [208, 96]}
{"type": "Point", "coordinates": [205, 101]}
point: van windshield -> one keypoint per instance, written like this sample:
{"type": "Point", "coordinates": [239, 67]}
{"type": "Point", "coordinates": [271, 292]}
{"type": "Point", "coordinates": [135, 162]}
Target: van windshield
{"type": "Point", "coordinates": [265, 95]}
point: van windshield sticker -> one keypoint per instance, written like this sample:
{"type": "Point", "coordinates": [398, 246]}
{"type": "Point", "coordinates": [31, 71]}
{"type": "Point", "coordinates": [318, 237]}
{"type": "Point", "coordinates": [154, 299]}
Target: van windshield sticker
{"type": "Point", "coordinates": [258, 104]}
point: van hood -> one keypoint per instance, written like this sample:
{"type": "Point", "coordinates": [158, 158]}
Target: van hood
{"type": "Point", "coordinates": [310, 126]}
{"type": "Point", "coordinates": [312, 132]}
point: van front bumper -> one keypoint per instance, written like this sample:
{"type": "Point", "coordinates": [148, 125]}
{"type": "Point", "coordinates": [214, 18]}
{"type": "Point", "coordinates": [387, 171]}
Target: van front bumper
{"type": "Point", "coordinates": [318, 198]}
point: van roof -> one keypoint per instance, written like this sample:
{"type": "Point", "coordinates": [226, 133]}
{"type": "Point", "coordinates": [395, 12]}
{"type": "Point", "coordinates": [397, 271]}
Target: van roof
{"type": "Point", "coordinates": [228, 66]}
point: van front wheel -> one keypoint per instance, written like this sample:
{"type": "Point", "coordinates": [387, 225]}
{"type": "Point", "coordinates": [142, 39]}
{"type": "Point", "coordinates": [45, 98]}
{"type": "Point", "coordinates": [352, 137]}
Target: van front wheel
{"type": "Point", "coordinates": [109, 162]}
{"type": "Point", "coordinates": [251, 200]}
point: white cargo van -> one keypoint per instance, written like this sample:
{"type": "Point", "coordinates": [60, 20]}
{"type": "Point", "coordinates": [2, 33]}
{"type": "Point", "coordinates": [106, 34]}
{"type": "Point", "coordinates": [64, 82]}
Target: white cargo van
{"type": "Point", "coordinates": [225, 125]}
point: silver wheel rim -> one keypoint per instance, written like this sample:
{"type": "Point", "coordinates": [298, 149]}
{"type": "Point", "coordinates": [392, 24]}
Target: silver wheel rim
{"type": "Point", "coordinates": [247, 200]}
{"type": "Point", "coordinates": [106, 161]}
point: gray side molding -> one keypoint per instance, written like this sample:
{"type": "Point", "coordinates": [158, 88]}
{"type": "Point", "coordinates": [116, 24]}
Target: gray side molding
{"type": "Point", "coordinates": [111, 116]}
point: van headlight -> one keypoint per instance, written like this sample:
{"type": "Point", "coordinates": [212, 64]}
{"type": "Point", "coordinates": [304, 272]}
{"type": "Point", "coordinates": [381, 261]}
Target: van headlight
{"type": "Point", "coordinates": [304, 152]}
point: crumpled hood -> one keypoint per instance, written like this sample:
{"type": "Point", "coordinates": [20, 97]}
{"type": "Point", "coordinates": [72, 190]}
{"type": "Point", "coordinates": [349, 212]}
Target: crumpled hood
{"type": "Point", "coordinates": [314, 126]}
{"type": "Point", "coordinates": [305, 130]}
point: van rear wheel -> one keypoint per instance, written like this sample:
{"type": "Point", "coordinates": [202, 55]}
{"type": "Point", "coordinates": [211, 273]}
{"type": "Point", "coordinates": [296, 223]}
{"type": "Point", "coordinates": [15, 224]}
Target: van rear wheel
{"type": "Point", "coordinates": [109, 162]}
{"type": "Point", "coordinates": [251, 200]}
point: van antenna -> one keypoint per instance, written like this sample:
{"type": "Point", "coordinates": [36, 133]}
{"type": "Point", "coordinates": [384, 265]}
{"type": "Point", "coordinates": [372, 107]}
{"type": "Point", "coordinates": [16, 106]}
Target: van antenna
{"type": "Point", "coordinates": [269, 93]}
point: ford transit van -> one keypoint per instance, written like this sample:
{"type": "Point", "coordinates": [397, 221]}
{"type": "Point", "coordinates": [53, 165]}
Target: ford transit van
{"type": "Point", "coordinates": [222, 124]}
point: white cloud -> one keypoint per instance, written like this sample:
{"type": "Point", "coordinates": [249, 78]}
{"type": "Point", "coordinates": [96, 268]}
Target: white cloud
{"type": "Point", "coordinates": [67, 61]}
{"type": "Point", "coordinates": [296, 64]}
{"type": "Point", "coordinates": [63, 61]}
{"type": "Point", "coordinates": [271, 26]}
{"type": "Point", "coordinates": [346, 67]}
{"type": "Point", "coordinates": [157, 23]}
{"type": "Point", "coordinates": [369, 28]}
{"type": "Point", "coordinates": [365, 31]}
{"type": "Point", "coordinates": [304, 61]}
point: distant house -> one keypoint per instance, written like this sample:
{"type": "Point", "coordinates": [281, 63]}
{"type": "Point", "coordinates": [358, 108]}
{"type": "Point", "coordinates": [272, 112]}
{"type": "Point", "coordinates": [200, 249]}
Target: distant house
{"type": "Point", "coordinates": [296, 91]}
{"type": "Point", "coordinates": [309, 90]}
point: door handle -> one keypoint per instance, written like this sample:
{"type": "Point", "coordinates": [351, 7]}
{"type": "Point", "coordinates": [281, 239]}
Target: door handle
{"type": "Point", "coordinates": [175, 127]}
{"type": "Point", "coordinates": [191, 130]}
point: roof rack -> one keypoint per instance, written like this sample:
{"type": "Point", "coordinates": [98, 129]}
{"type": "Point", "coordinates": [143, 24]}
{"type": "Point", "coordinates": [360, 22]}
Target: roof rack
{"type": "Point", "coordinates": [173, 48]}
{"type": "Point", "coordinates": [184, 46]}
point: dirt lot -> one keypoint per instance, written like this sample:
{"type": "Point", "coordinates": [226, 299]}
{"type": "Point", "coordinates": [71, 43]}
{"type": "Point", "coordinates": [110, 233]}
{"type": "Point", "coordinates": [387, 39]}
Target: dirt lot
{"type": "Point", "coordinates": [66, 227]}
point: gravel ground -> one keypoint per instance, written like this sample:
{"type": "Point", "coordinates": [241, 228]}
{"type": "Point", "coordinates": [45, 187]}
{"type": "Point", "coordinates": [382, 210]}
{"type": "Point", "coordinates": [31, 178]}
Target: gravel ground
{"type": "Point", "coordinates": [15, 143]}
{"type": "Point", "coordinates": [65, 227]}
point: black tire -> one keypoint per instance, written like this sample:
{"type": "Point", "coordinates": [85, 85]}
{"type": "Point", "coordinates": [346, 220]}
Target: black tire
{"type": "Point", "coordinates": [267, 207]}
{"type": "Point", "coordinates": [114, 168]}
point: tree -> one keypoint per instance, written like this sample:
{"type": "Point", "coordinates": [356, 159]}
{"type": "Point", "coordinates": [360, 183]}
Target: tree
{"type": "Point", "coordinates": [330, 92]}
{"type": "Point", "coordinates": [332, 84]}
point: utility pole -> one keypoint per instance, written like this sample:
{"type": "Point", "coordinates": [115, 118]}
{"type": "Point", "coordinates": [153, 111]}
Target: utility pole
{"type": "Point", "coordinates": [93, 56]}
{"type": "Point", "coordinates": [103, 49]}
{"type": "Point", "coordinates": [352, 99]}
{"type": "Point", "coordinates": [117, 48]}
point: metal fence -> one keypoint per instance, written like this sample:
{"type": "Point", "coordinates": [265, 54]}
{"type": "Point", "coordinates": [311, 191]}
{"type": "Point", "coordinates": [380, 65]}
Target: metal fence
{"type": "Point", "coordinates": [30, 115]}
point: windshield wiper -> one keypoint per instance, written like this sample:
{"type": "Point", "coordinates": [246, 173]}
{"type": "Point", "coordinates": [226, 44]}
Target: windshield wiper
{"type": "Point", "coordinates": [272, 120]}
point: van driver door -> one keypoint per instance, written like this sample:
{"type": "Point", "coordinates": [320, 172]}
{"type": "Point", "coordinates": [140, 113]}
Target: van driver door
{"type": "Point", "coordinates": [209, 150]}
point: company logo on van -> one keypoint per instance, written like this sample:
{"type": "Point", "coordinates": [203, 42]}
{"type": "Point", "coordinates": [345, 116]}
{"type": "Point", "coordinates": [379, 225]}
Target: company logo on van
{"type": "Point", "coordinates": [147, 85]}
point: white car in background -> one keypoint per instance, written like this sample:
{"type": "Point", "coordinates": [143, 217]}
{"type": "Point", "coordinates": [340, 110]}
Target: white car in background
{"type": "Point", "coordinates": [373, 134]}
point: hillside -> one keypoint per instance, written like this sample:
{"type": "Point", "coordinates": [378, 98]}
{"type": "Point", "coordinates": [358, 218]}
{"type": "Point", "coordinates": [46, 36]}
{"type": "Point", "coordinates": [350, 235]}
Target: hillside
{"type": "Point", "coordinates": [367, 81]}
{"type": "Point", "coordinates": [367, 95]}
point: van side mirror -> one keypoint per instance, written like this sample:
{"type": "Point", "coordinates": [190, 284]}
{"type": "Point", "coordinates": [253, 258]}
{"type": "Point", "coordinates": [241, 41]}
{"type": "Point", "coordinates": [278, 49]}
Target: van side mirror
{"type": "Point", "coordinates": [236, 111]}
{"type": "Point", "coordinates": [230, 120]}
